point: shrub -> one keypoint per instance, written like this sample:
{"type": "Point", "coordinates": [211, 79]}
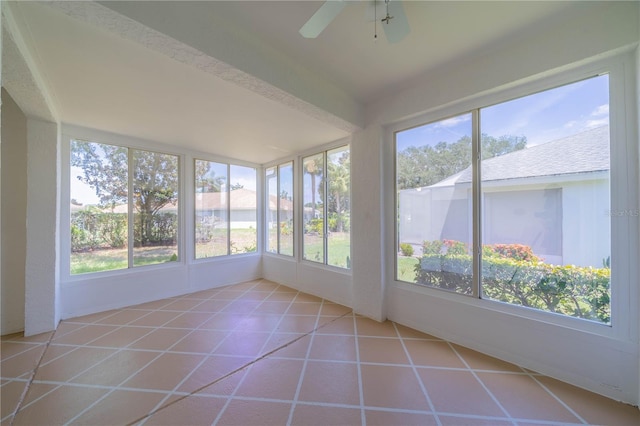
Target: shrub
{"type": "Point", "coordinates": [406, 249]}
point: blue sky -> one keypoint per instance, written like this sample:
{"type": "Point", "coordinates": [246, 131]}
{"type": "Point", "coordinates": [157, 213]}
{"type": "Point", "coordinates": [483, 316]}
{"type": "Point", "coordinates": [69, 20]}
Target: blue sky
{"type": "Point", "coordinates": [541, 117]}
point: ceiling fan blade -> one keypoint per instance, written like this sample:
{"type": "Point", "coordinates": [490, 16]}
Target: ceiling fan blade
{"type": "Point", "coordinates": [322, 18]}
{"type": "Point", "coordinates": [398, 28]}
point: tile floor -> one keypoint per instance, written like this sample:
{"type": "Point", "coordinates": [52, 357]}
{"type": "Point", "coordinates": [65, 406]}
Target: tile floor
{"type": "Point", "coordinates": [262, 354]}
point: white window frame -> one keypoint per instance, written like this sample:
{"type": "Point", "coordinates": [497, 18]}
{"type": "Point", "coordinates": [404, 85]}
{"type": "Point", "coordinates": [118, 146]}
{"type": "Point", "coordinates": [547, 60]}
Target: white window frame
{"type": "Point", "coordinates": [277, 167]}
{"type": "Point", "coordinates": [624, 185]}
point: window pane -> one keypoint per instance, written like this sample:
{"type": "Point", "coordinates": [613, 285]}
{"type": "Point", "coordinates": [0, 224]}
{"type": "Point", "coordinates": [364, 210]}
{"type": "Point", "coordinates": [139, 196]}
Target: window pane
{"type": "Point", "coordinates": [155, 208]}
{"type": "Point", "coordinates": [211, 235]}
{"type": "Point", "coordinates": [271, 176]}
{"type": "Point", "coordinates": [313, 212]}
{"type": "Point", "coordinates": [285, 209]}
{"type": "Point", "coordinates": [338, 208]}
{"type": "Point", "coordinates": [545, 186]}
{"type": "Point", "coordinates": [243, 210]}
{"type": "Point", "coordinates": [99, 180]}
{"type": "Point", "coordinates": [433, 164]}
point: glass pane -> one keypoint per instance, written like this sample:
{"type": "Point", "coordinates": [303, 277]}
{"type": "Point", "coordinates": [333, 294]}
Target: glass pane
{"type": "Point", "coordinates": [272, 209]}
{"type": "Point", "coordinates": [433, 166]}
{"type": "Point", "coordinates": [338, 207]}
{"type": "Point", "coordinates": [211, 235]}
{"type": "Point", "coordinates": [99, 180]}
{"type": "Point", "coordinates": [243, 210]}
{"type": "Point", "coordinates": [155, 208]}
{"type": "Point", "coordinates": [285, 209]}
{"type": "Point", "coordinates": [313, 211]}
{"type": "Point", "coordinates": [546, 200]}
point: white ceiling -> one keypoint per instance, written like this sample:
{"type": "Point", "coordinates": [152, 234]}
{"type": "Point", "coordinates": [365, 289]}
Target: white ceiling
{"type": "Point", "coordinates": [235, 78]}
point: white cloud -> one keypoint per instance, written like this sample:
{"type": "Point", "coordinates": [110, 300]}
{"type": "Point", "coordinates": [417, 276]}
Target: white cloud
{"type": "Point", "coordinates": [590, 124]}
{"type": "Point", "coordinates": [454, 121]}
{"type": "Point", "coordinates": [601, 110]}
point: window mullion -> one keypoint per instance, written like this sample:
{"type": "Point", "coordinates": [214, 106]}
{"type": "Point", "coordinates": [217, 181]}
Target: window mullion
{"type": "Point", "coordinates": [130, 195]}
{"type": "Point", "coordinates": [325, 203]}
{"type": "Point", "coordinates": [476, 160]}
{"type": "Point", "coordinates": [228, 195]}
{"type": "Point", "coordinates": [278, 209]}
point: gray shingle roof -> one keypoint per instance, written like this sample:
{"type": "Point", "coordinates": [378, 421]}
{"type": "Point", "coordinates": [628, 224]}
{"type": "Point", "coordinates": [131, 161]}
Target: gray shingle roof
{"type": "Point", "coordinates": [583, 152]}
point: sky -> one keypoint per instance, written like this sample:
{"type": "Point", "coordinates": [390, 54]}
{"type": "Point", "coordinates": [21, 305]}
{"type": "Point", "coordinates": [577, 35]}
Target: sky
{"type": "Point", "coordinates": [542, 117]}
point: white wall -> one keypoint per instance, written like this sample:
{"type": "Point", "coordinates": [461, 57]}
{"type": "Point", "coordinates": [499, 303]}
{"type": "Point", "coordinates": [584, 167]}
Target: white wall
{"type": "Point", "coordinates": [600, 358]}
{"type": "Point", "coordinates": [14, 210]}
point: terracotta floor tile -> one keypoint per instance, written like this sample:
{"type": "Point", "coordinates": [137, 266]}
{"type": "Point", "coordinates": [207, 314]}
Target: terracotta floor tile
{"type": "Point", "coordinates": [36, 390]}
{"type": "Point", "coordinates": [20, 337]}
{"type": "Point", "coordinates": [242, 343]}
{"type": "Point", "coordinates": [281, 297]}
{"type": "Point", "coordinates": [266, 285]}
{"type": "Point", "coordinates": [71, 364]}
{"type": "Point", "coordinates": [369, 327]}
{"type": "Point", "coordinates": [156, 304]}
{"type": "Point", "coordinates": [272, 378]}
{"type": "Point", "coordinates": [155, 319]}
{"type": "Point", "coordinates": [334, 309]}
{"type": "Point", "coordinates": [297, 324]}
{"type": "Point", "coordinates": [92, 318]}
{"type": "Point", "coordinates": [304, 308]}
{"type": "Point", "coordinates": [479, 361]}
{"type": "Point", "coordinates": [9, 349]}
{"type": "Point", "coordinates": [189, 320]}
{"type": "Point", "coordinates": [10, 395]}
{"type": "Point", "coordinates": [165, 373]}
{"type": "Point", "coordinates": [255, 413]}
{"type": "Point", "coordinates": [121, 337]}
{"type": "Point", "coordinates": [241, 306]}
{"type": "Point", "coordinates": [230, 293]}
{"type": "Point", "coordinates": [26, 362]}
{"type": "Point", "coordinates": [59, 406]}
{"type": "Point", "coordinates": [592, 407]}
{"type": "Point", "coordinates": [271, 307]}
{"type": "Point", "coordinates": [210, 306]}
{"type": "Point", "coordinates": [193, 410]}
{"type": "Point", "coordinates": [160, 339]}
{"type": "Point", "coordinates": [181, 305]}
{"type": "Point", "coordinates": [522, 397]}
{"type": "Point", "coordinates": [224, 387]}
{"type": "Point", "coordinates": [330, 382]}
{"type": "Point", "coordinates": [258, 322]}
{"type": "Point", "coordinates": [84, 335]}
{"type": "Point", "coordinates": [200, 341]}
{"type": "Point", "coordinates": [288, 345]}
{"type": "Point", "coordinates": [67, 327]}
{"type": "Point", "coordinates": [257, 295]}
{"type": "Point", "coordinates": [381, 350]}
{"type": "Point", "coordinates": [123, 317]}
{"type": "Point", "coordinates": [392, 387]}
{"type": "Point", "coordinates": [214, 368]}
{"type": "Point", "coordinates": [453, 391]}
{"type": "Point", "coordinates": [448, 420]}
{"type": "Point", "coordinates": [330, 347]}
{"type": "Point", "coordinates": [120, 407]}
{"type": "Point", "coordinates": [304, 297]}
{"type": "Point", "coordinates": [116, 369]}
{"type": "Point", "coordinates": [410, 333]}
{"type": "Point", "coordinates": [432, 353]}
{"type": "Point", "coordinates": [389, 418]}
{"type": "Point", "coordinates": [338, 326]}
{"type": "Point", "coordinates": [313, 415]}
{"type": "Point", "coordinates": [222, 321]}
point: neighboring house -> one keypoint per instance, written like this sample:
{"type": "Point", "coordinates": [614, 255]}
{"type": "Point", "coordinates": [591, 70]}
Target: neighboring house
{"type": "Point", "coordinates": [553, 197]}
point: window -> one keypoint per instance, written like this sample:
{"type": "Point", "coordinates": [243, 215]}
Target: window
{"type": "Point", "coordinates": [326, 210]}
{"type": "Point", "coordinates": [225, 213]}
{"type": "Point", "coordinates": [537, 203]}
{"type": "Point", "coordinates": [124, 207]}
{"type": "Point", "coordinates": [280, 209]}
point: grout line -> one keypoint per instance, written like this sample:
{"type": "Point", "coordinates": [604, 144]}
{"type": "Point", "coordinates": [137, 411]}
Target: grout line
{"type": "Point", "coordinates": [557, 398]}
{"type": "Point", "coordinates": [363, 415]}
{"type": "Point", "coordinates": [472, 371]}
{"type": "Point", "coordinates": [415, 372]}
{"type": "Point", "coordinates": [26, 389]}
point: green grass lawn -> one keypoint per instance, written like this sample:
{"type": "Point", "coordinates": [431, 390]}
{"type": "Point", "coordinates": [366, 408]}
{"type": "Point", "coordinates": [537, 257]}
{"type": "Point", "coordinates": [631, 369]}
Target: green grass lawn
{"type": "Point", "coordinates": [113, 259]}
{"type": "Point", "coordinates": [339, 249]}
{"type": "Point", "coordinates": [406, 268]}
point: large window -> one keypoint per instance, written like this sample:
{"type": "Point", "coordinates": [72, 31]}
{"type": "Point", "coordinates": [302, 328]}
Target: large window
{"type": "Point", "coordinates": [225, 209]}
{"type": "Point", "coordinates": [537, 203]}
{"type": "Point", "coordinates": [279, 202]}
{"type": "Point", "coordinates": [124, 207]}
{"type": "Point", "coordinates": [326, 207]}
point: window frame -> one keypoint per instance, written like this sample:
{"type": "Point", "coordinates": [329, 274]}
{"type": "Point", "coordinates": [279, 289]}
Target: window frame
{"type": "Point", "coordinates": [73, 133]}
{"type": "Point", "coordinates": [277, 167]}
{"type": "Point", "coordinates": [620, 69]}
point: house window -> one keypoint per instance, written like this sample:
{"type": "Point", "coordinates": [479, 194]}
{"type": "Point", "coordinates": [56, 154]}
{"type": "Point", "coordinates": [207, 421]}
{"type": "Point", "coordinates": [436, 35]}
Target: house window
{"type": "Point", "coordinates": [225, 209]}
{"type": "Point", "coordinates": [124, 207]}
{"type": "Point", "coordinates": [537, 202]}
{"type": "Point", "coordinates": [326, 207]}
{"type": "Point", "coordinates": [279, 201]}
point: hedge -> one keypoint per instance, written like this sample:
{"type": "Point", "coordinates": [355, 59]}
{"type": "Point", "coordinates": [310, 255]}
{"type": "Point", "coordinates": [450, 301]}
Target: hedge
{"type": "Point", "coordinates": [514, 275]}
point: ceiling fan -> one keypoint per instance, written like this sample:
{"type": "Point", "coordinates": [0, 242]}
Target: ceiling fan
{"type": "Point", "coordinates": [393, 18]}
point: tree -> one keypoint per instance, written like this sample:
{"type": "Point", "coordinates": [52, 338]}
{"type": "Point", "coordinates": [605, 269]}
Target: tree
{"type": "Point", "coordinates": [338, 182]}
{"type": "Point", "coordinates": [105, 168]}
{"type": "Point", "coordinates": [419, 166]}
{"type": "Point", "coordinates": [206, 179]}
